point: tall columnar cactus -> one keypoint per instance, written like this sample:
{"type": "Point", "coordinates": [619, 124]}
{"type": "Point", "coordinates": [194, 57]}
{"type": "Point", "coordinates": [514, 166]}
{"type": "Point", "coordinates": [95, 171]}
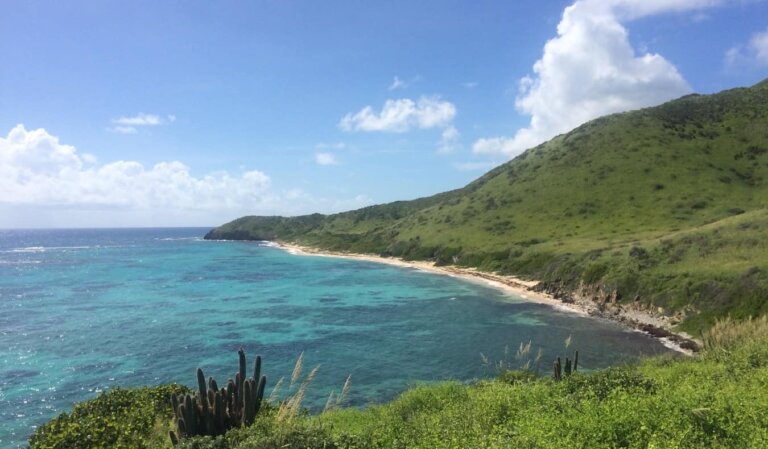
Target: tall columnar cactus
{"type": "Point", "coordinates": [213, 411]}
{"type": "Point", "coordinates": [569, 368]}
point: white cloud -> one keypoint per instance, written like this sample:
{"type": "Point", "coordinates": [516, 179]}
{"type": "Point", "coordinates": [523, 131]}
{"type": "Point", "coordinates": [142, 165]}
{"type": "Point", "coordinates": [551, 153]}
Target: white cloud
{"type": "Point", "coordinates": [44, 182]}
{"type": "Point", "coordinates": [470, 84]}
{"type": "Point", "coordinates": [322, 158]}
{"type": "Point", "coordinates": [35, 168]}
{"type": "Point", "coordinates": [140, 119]}
{"type": "Point", "coordinates": [449, 140]}
{"type": "Point", "coordinates": [759, 44]}
{"type": "Point", "coordinates": [493, 145]}
{"type": "Point", "coordinates": [755, 53]}
{"type": "Point", "coordinates": [590, 69]}
{"type": "Point", "coordinates": [401, 115]}
{"type": "Point", "coordinates": [397, 83]}
{"type": "Point", "coordinates": [123, 129]}
{"type": "Point", "coordinates": [130, 125]}
{"type": "Point", "coordinates": [635, 9]}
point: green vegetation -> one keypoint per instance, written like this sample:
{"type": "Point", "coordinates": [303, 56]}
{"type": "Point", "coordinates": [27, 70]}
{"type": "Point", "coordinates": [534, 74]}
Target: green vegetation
{"type": "Point", "coordinates": [120, 418]}
{"type": "Point", "coordinates": [663, 207]}
{"type": "Point", "coordinates": [715, 400]}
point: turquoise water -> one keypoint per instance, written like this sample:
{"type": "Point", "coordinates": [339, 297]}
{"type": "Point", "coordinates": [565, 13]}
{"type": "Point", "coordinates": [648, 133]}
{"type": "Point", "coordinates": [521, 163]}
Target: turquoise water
{"type": "Point", "coordinates": [84, 310]}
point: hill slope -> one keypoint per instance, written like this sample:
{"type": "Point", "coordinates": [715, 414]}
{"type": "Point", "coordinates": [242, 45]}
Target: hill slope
{"type": "Point", "coordinates": [661, 208]}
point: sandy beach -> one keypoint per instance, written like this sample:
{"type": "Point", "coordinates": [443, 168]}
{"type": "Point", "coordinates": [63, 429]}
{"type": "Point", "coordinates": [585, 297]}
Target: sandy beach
{"type": "Point", "coordinates": [657, 326]}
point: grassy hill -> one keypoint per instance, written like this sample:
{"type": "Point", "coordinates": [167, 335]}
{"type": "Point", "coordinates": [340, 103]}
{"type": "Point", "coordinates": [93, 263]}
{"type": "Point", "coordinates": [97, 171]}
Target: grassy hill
{"type": "Point", "coordinates": [662, 208]}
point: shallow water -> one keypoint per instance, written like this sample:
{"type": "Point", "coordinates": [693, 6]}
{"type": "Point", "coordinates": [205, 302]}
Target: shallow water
{"type": "Point", "coordinates": [84, 310]}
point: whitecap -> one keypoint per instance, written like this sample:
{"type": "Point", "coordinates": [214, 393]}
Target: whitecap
{"type": "Point", "coordinates": [174, 239]}
{"type": "Point", "coordinates": [28, 249]}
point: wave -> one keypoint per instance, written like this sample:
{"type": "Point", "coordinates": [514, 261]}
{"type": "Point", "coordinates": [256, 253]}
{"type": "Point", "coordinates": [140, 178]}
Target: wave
{"type": "Point", "coordinates": [20, 262]}
{"type": "Point", "coordinates": [42, 249]}
{"type": "Point", "coordinates": [173, 239]}
{"type": "Point", "coordinates": [262, 243]}
{"type": "Point", "coordinates": [28, 249]}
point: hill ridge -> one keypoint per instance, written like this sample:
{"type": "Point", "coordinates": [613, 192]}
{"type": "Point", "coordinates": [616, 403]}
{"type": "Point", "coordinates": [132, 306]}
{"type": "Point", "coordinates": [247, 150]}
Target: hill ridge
{"type": "Point", "coordinates": [601, 206]}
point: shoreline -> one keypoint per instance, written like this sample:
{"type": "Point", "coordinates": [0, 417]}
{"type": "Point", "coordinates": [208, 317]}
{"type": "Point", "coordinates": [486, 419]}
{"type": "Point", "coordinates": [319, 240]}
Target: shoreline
{"type": "Point", "coordinates": [657, 327]}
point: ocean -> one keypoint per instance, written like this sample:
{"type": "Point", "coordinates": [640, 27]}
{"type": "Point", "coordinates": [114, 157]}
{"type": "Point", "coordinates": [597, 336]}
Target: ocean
{"type": "Point", "coordinates": [82, 311]}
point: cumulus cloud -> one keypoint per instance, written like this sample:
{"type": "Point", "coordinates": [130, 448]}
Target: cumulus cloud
{"type": "Point", "coordinates": [590, 69]}
{"type": "Point", "coordinates": [35, 168]}
{"type": "Point", "coordinates": [322, 158]}
{"type": "Point", "coordinates": [401, 115]}
{"type": "Point", "coordinates": [754, 53]}
{"type": "Point", "coordinates": [46, 182]}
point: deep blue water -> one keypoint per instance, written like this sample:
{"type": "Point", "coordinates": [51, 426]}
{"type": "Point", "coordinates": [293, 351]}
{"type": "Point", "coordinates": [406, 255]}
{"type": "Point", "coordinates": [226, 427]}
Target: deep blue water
{"type": "Point", "coordinates": [84, 310]}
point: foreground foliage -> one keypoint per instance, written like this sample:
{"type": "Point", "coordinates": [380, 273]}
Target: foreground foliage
{"type": "Point", "coordinates": [119, 418]}
{"type": "Point", "coordinates": [663, 207]}
{"type": "Point", "coordinates": [717, 400]}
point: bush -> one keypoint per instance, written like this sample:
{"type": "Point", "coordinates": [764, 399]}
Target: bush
{"type": "Point", "coordinates": [267, 432]}
{"type": "Point", "coordinates": [604, 383]}
{"type": "Point", "coordinates": [517, 377]}
{"type": "Point", "coordinates": [119, 418]}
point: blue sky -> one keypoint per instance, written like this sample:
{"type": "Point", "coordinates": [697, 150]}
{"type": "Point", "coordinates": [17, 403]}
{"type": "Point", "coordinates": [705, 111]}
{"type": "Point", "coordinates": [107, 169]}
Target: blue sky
{"type": "Point", "coordinates": [195, 113]}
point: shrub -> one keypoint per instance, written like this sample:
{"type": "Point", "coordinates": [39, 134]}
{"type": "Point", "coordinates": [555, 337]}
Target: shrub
{"type": "Point", "coordinates": [602, 384]}
{"type": "Point", "coordinates": [517, 377]}
{"type": "Point", "coordinates": [267, 433]}
{"type": "Point", "coordinates": [119, 418]}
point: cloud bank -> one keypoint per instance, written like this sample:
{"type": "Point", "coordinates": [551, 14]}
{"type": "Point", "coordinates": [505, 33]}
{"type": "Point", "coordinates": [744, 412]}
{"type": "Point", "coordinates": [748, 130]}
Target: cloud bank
{"type": "Point", "coordinates": [41, 175]}
{"type": "Point", "coordinates": [590, 69]}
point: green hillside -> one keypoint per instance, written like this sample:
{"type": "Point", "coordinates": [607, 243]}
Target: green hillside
{"type": "Point", "coordinates": [663, 207]}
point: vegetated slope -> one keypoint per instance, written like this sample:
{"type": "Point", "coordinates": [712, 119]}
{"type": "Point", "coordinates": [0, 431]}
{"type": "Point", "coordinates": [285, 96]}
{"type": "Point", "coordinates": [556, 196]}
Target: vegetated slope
{"type": "Point", "coordinates": [663, 207]}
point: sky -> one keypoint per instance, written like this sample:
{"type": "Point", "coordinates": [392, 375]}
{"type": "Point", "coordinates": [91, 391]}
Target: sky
{"type": "Point", "coordinates": [193, 113]}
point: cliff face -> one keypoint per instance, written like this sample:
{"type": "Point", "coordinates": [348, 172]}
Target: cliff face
{"type": "Point", "coordinates": [665, 204]}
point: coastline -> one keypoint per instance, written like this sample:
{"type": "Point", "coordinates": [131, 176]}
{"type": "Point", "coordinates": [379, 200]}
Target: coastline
{"type": "Point", "coordinates": [656, 326]}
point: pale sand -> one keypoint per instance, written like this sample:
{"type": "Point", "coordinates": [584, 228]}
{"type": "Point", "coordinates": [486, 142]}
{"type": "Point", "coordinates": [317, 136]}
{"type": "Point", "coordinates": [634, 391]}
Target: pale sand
{"type": "Point", "coordinates": [507, 284]}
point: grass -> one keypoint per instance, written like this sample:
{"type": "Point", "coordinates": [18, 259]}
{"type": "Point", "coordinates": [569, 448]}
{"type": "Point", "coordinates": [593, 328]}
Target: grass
{"type": "Point", "coordinates": [685, 182]}
{"type": "Point", "coordinates": [715, 400]}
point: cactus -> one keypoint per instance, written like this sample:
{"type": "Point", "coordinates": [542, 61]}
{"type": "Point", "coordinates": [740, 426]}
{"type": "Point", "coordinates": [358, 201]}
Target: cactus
{"type": "Point", "coordinates": [569, 368]}
{"type": "Point", "coordinates": [213, 411]}
{"type": "Point", "coordinates": [575, 361]}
